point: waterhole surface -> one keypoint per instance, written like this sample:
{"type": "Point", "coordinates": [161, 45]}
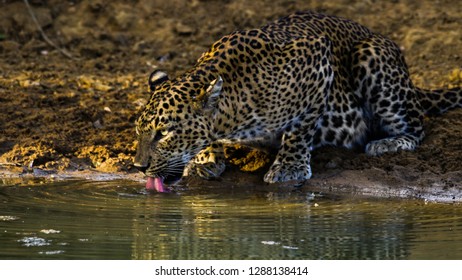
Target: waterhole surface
{"type": "Point", "coordinates": [119, 220]}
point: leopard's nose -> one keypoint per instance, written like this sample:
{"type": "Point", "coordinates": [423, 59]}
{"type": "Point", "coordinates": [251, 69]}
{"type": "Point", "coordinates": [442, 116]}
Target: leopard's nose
{"type": "Point", "coordinates": [140, 167]}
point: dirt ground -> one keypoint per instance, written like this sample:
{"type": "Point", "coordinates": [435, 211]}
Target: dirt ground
{"type": "Point", "coordinates": [70, 114]}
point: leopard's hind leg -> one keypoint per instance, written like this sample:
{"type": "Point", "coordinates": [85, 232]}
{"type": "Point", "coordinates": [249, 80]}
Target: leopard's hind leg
{"type": "Point", "coordinates": [390, 103]}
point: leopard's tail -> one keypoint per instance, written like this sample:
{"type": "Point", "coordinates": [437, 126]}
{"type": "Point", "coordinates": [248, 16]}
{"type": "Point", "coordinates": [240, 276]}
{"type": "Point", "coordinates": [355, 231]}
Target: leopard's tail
{"type": "Point", "coordinates": [436, 102]}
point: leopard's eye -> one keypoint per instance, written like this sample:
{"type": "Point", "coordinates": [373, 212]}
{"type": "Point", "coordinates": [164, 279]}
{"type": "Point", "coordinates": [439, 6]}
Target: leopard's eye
{"type": "Point", "coordinates": [160, 134]}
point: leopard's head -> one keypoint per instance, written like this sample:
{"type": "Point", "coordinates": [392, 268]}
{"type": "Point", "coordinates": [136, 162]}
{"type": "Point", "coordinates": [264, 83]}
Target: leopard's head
{"type": "Point", "coordinates": [174, 126]}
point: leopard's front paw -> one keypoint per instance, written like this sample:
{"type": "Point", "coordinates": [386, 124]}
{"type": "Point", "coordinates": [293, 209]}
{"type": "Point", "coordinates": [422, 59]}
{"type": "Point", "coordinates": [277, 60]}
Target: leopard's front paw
{"type": "Point", "coordinates": [279, 173]}
{"type": "Point", "coordinates": [208, 171]}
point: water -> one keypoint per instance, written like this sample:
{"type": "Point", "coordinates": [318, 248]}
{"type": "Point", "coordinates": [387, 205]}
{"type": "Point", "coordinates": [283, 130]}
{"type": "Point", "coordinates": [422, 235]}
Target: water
{"type": "Point", "coordinates": [118, 220]}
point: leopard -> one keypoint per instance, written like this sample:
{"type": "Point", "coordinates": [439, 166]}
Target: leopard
{"type": "Point", "coordinates": [301, 82]}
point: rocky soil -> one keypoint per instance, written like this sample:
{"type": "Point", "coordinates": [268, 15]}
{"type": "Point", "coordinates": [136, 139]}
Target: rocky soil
{"type": "Point", "coordinates": [69, 109]}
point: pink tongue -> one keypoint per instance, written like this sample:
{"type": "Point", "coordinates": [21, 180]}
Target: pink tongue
{"type": "Point", "coordinates": [155, 184]}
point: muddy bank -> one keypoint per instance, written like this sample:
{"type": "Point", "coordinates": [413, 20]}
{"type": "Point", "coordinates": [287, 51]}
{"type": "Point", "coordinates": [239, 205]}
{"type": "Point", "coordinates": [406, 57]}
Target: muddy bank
{"type": "Point", "coordinates": [75, 116]}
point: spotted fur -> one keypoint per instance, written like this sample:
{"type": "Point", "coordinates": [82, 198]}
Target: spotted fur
{"type": "Point", "coordinates": [306, 80]}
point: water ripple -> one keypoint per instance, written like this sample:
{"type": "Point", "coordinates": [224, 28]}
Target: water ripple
{"type": "Point", "coordinates": [119, 220]}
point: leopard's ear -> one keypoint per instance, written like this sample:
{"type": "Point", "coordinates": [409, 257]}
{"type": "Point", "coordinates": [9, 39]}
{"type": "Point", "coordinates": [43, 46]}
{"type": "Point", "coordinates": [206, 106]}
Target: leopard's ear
{"type": "Point", "coordinates": [207, 100]}
{"type": "Point", "coordinates": [212, 94]}
{"type": "Point", "coordinates": [156, 78]}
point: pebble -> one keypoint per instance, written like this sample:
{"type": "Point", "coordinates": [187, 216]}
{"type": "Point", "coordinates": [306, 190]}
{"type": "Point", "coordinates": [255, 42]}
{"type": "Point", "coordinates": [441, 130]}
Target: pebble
{"type": "Point", "coordinates": [183, 29]}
